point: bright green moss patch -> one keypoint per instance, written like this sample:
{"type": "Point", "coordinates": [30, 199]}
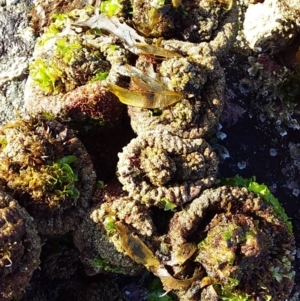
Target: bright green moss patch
{"type": "Point", "coordinates": [46, 74]}
{"type": "Point", "coordinates": [228, 292]}
{"type": "Point", "coordinates": [109, 224]}
{"type": "Point", "coordinates": [54, 181]}
{"type": "Point", "coordinates": [264, 192]}
{"type": "Point", "coordinates": [111, 7]}
{"type": "Point", "coordinates": [66, 178]}
{"type": "Point", "coordinates": [101, 75]}
{"type": "Point", "coordinates": [168, 205]}
{"type": "Point", "coordinates": [67, 50]}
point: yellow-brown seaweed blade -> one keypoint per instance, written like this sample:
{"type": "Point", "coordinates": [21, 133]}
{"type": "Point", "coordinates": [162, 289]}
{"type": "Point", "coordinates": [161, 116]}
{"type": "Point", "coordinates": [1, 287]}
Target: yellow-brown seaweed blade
{"type": "Point", "coordinates": [156, 51]}
{"type": "Point", "coordinates": [140, 253]}
{"type": "Point", "coordinates": [145, 99]}
{"type": "Point", "coordinates": [135, 248]}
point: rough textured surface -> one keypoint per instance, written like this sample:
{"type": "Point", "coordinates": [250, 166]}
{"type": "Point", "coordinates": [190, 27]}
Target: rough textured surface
{"type": "Point", "coordinates": [96, 239]}
{"type": "Point", "coordinates": [270, 26]}
{"type": "Point", "coordinates": [201, 79]}
{"type": "Point", "coordinates": [30, 169]}
{"type": "Point", "coordinates": [15, 54]}
{"type": "Point", "coordinates": [89, 102]}
{"type": "Point", "coordinates": [252, 143]}
{"type": "Point", "coordinates": [20, 248]}
{"type": "Point", "coordinates": [213, 22]}
{"type": "Point", "coordinates": [157, 167]}
{"type": "Point", "coordinates": [248, 238]}
{"type": "Point", "coordinates": [69, 59]}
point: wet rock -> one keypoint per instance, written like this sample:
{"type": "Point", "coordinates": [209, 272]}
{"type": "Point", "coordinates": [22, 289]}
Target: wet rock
{"type": "Point", "coordinates": [16, 47]}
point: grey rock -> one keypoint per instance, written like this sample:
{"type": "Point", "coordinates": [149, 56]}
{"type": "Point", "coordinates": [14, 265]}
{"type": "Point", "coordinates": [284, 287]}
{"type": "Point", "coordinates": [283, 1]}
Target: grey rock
{"type": "Point", "coordinates": [16, 45]}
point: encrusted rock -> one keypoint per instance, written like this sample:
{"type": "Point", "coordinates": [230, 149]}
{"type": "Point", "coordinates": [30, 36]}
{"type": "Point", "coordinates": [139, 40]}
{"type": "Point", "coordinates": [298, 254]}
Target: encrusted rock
{"type": "Point", "coordinates": [88, 102]}
{"type": "Point", "coordinates": [200, 79]}
{"type": "Point", "coordinates": [253, 246]}
{"type": "Point", "coordinates": [20, 248]}
{"type": "Point", "coordinates": [97, 238]}
{"type": "Point", "coordinates": [48, 171]}
{"type": "Point", "coordinates": [270, 26]}
{"type": "Point", "coordinates": [157, 168]}
{"type": "Point", "coordinates": [214, 22]}
{"type": "Point", "coordinates": [70, 59]}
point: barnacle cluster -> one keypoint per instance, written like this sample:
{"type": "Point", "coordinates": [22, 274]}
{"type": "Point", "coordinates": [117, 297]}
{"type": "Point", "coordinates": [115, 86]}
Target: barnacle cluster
{"type": "Point", "coordinates": [155, 167]}
{"type": "Point", "coordinates": [20, 248]}
{"type": "Point", "coordinates": [201, 79]}
{"type": "Point", "coordinates": [47, 169]}
{"type": "Point", "coordinates": [174, 91]}
{"type": "Point", "coordinates": [62, 61]}
{"type": "Point", "coordinates": [248, 237]}
{"type": "Point", "coordinates": [191, 21]}
{"type": "Point", "coordinates": [97, 239]}
{"type": "Point", "coordinates": [69, 59]}
{"type": "Point", "coordinates": [276, 89]}
{"type": "Point", "coordinates": [68, 55]}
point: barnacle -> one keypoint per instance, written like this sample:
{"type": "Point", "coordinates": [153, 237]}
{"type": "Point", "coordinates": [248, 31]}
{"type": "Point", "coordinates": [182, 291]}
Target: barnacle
{"type": "Point", "coordinates": [20, 248]}
{"type": "Point", "coordinates": [194, 21]}
{"type": "Point", "coordinates": [130, 229]}
{"type": "Point", "coordinates": [43, 164]}
{"type": "Point", "coordinates": [155, 167]}
{"type": "Point", "coordinates": [156, 18]}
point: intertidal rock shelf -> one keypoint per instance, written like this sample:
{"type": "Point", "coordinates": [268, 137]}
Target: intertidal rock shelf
{"type": "Point", "coordinates": [165, 211]}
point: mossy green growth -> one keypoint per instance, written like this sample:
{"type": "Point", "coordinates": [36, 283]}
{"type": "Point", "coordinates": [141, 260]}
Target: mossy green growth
{"type": "Point", "coordinates": [46, 74]}
{"type": "Point", "coordinates": [168, 205]}
{"type": "Point", "coordinates": [109, 224]}
{"type": "Point", "coordinates": [157, 293]}
{"type": "Point", "coordinates": [63, 20]}
{"type": "Point", "coordinates": [54, 28]}
{"type": "Point", "coordinates": [111, 7]}
{"type": "Point", "coordinates": [54, 181]}
{"type": "Point", "coordinates": [99, 263]}
{"type": "Point", "coordinates": [229, 293]}
{"type": "Point", "coordinates": [62, 59]}
{"type": "Point", "coordinates": [219, 239]}
{"type": "Point", "coordinates": [66, 178]}
{"type": "Point", "coordinates": [264, 192]}
{"type": "Point", "coordinates": [66, 50]}
{"type": "Point", "coordinates": [101, 75]}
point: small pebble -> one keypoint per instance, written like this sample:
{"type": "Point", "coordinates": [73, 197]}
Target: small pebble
{"type": "Point", "coordinates": [273, 152]}
{"type": "Point", "coordinates": [242, 165]}
{"type": "Point", "coordinates": [296, 192]}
